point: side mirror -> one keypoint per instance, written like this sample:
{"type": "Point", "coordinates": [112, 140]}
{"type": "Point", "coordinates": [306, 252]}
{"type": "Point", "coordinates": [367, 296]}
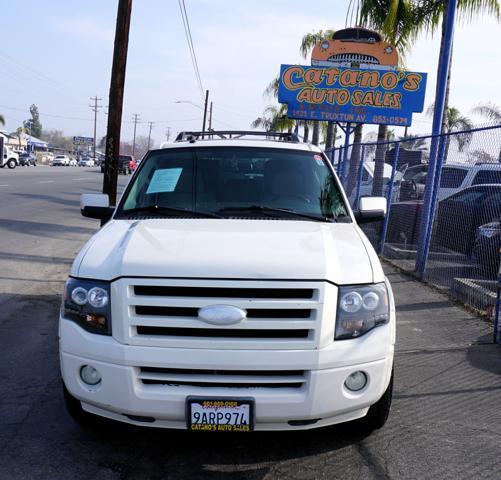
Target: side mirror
{"type": "Point", "coordinates": [96, 205]}
{"type": "Point", "coordinates": [371, 209]}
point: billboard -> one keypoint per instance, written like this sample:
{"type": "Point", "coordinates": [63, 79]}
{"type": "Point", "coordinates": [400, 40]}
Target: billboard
{"type": "Point", "coordinates": [353, 78]}
{"type": "Point", "coordinates": [351, 94]}
{"type": "Point", "coordinates": [83, 140]}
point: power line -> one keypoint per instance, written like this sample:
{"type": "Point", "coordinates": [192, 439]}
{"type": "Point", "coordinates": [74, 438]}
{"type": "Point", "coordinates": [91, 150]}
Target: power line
{"type": "Point", "coordinates": [189, 39]}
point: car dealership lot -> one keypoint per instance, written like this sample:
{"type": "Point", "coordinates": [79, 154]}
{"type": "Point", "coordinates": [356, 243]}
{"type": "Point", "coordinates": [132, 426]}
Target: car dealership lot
{"type": "Point", "coordinates": [445, 421]}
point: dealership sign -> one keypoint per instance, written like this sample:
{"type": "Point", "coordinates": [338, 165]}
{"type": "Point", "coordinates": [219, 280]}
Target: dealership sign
{"type": "Point", "coordinates": [346, 94]}
{"type": "Point", "coordinates": [83, 140]}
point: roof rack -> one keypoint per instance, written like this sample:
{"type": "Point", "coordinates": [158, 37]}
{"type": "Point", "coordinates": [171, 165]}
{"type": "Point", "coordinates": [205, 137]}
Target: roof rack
{"type": "Point", "coordinates": [236, 134]}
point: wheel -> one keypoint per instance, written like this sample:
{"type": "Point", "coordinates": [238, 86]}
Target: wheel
{"type": "Point", "coordinates": [74, 408]}
{"type": "Point", "coordinates": [378, 413]}
{"type": "Point", "coordinates": [11, 163]}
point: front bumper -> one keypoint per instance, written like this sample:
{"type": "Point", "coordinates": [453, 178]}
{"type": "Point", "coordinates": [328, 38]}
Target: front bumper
{"type": "Point", "coordinates": [322, 400]}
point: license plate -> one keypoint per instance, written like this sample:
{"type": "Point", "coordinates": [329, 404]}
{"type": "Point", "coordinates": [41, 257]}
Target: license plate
{"type": "Point", "coordinates": [220, 415]}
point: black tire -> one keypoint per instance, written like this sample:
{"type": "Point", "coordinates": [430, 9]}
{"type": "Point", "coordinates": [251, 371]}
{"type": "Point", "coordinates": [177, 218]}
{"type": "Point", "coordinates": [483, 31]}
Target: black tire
{"type": "Point", "coordinates": [77, 413]}
{"type": "Point", "coordinates": [11, 163]}
{"type": "Point", "coordinates": [378, 413]}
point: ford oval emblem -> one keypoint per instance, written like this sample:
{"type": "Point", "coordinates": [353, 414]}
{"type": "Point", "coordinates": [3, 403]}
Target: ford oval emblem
{"type": "Point", "coordinates": [221, 314]}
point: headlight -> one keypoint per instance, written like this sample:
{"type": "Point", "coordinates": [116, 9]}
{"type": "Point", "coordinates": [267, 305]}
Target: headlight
{"type": "Point", "coordinates": [87, 302]}
{"type": "Point", "coordinates": [360, 309]}
{"type": "Point", "coordinates": [325, 45]}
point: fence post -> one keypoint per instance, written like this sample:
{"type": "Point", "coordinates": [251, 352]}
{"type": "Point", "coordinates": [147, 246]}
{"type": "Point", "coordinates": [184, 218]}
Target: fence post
{"type": "Point", "coordinates": [435, 165]}
{"type": "Point", "coordinates": [339, 157]}
{"type": "Point", "coordinates": [389, 196]}
{"type": "Point", "coordinates": [497, 312]}
{"type": "Point", "coordinates": [359, 177]}
{"type": "Point", "coordinates": [345, 160]}
{"type": "Point", "coordinates": [331, 155]}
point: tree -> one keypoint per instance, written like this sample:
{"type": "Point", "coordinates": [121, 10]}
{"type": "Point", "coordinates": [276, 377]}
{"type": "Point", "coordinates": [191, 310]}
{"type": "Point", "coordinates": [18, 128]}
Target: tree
{"type": "Point", "coordinates": [491, 112]}
{"type": "Point", "coordinates": [399, 22]}
{"type": "Point", "coordinates": [454, 121]}
{"type": "Point", "coordinates": [432, 14]}
{"type": "Point", "coordinates": [2, 120]}
{"type": "Point", "coordinates": [413, 142]}
{"type": "Point", "coordinates": [274, 119]}
{"type": "Point", "coordinates": [19, 134]}
{"type": "Point", "coordinates": [307, 43]}
{"type": "Point", "coordinates": [57, 139]}
{"type": "Point", "coordinates": [33, 124]}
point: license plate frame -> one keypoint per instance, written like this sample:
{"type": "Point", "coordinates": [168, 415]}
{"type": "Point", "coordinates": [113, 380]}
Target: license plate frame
{"type": "Point", "coordinates": [215, 403]}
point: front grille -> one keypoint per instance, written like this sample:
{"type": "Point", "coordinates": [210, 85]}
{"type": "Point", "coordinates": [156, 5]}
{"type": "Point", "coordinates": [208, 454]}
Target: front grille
{"type": "Point", "coordinates": [354, 58]}
{"type": "Point", "coordinates": [172, 377]}
{"type": "Point", "coordinates": [251, 312]}
{"type": "Point", "coordinates": [279, 314]}
{"type": "Point", "coordinates": [218, 292]}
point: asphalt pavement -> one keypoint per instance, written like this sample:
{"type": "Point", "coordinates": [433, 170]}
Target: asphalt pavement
{"type": "Point", "coordinates": [445, 421]}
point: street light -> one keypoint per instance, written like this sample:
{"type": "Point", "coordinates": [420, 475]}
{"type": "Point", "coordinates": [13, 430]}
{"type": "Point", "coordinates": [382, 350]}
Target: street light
{"type": "Point", "coordinates": [199, 106]}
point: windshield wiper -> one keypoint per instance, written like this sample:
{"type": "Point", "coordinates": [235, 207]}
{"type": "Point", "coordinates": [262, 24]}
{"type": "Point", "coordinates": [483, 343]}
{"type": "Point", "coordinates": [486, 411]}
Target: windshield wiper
{"type": "Point", "coordinates": [271, 210]}
{"type": "Point", "coordinates": [167, 211]}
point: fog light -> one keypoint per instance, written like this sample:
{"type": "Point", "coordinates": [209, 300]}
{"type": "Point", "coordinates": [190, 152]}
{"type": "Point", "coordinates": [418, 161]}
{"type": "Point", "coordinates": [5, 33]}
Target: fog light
{"type": "Point", "coordinates": [90, 375]}
{"type": "Point", "coordinates": [356, 381]}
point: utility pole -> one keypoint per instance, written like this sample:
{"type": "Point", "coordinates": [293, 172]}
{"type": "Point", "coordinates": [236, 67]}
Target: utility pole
{"type": "Point", "coordinates": [136, 119]}
{"type": "Point", "coordinates": [210, 117]}
{"type": "Point", "coordinates": [205, 109]}
{"type": "Point", "coordinates": [149, 135]}
{"type": "Point", "coordinates": [116, 99]}
{"type": "Point", "coordinates": [95, 109]}
{"type": "Point", "coordinates": [167, 134]}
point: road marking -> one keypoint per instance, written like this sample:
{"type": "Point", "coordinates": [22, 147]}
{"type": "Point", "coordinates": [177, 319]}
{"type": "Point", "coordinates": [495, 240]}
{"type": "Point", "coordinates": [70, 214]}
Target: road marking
{"type": "Point", "coordinates": [82, 178]}
{"type": "Point", "coordinates": [47, 181]}
{"type": "Point", "coordinates": [4, 185]}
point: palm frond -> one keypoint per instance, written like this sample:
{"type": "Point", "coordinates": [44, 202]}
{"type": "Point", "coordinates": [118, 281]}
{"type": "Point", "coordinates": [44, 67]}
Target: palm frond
{"type": "Point", "coordinates": [489, 110]}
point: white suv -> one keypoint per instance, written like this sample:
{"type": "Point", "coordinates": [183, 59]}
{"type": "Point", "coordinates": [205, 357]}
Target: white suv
{"type": "Point", "coordinates": [231, 289]}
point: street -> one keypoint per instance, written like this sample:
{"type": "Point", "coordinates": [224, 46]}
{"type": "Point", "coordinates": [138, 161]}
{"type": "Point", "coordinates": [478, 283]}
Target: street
{"type": "Point", "coordinates": [445, 420]}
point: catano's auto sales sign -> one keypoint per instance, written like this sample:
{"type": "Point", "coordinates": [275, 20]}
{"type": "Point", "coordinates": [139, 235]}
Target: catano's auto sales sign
{"type": "Point", "coordinates": [356, 95]}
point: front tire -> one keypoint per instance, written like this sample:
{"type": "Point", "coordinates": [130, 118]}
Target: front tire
{"type": "Point", "coordinates": [11, 163]}
{"type": "Point", "coordinates": [378, 413]}
{"type": "Point", "coordinates": [75, 410]}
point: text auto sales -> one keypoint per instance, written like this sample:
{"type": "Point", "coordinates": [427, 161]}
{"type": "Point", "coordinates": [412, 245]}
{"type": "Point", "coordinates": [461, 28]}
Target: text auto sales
{"type": "Point", "coordinates": [307, 81]}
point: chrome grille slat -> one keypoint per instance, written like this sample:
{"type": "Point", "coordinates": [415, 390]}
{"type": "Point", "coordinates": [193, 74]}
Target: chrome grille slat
{"type": "Point", "coordinates": [222, 379]}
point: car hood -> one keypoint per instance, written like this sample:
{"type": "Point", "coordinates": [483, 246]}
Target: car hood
{"type": "Point", "coordinates": [240, 249]}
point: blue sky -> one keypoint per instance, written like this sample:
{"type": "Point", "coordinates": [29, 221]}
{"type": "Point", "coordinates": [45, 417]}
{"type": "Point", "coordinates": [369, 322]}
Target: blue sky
{"type": "Point", "coordinates": [58, 54]}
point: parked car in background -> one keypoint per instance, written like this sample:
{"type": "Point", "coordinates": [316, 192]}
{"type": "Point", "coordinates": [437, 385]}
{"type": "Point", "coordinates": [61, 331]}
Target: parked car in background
{"type": "Point", "coordinates": [27, 159]}
{"type": "Point", "coordinates": [9, 158]}
{"type": "Point", "coordinates": [487, 248]}
{"type": "Point", "coordinates": [413, 183]}
{"type": "Point", "coordinates": [86, 162]}
{"type": "Point", "coordinates": [460, 215]}
{"type": "Point", "coordinates": [61, 161]}
{"type": "Point", "coordinates": [124, 164]}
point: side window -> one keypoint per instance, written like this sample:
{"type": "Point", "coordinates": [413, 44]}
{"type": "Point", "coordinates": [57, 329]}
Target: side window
{"type": "Point", "coordinates": [468, 196]}
{"type": "Point", "coordinates": [452, 177]}
{"type": "Point", "coordinates": [487, 176]}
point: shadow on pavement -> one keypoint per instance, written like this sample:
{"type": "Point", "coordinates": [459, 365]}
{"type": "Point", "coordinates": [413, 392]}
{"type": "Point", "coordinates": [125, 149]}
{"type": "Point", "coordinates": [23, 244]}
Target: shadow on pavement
{"type": "Point", "coordinates": [43, 229]}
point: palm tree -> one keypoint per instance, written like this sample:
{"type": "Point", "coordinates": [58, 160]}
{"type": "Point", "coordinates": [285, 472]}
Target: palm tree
{"type": "Point", "coordinates": [412, 142]}
{"type": "Point", "coordinates": [454, 121]}
{"type": "Point", "coordinates": [274, 119]}
{"type": "Point", "coordinates": [307, 43]}
{"type": "Point", "coordinates": [399, 22]}
{"type": "Point", "coordinates": [432, 12]}
{"type": "Point", "coordinates": [491, 112]}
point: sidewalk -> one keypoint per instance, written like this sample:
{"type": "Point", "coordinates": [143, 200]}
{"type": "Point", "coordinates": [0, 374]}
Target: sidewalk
{"type": "Point", "coordinates": [447, 406]}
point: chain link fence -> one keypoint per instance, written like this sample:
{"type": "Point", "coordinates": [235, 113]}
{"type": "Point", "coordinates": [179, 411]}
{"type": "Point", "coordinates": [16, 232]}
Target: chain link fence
{"type": "Point", "coordinates": [465, 233]}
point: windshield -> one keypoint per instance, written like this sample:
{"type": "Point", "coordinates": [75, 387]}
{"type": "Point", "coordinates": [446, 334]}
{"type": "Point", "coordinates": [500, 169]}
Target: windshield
{"type": "Point", "coordinates": [235, 181]}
